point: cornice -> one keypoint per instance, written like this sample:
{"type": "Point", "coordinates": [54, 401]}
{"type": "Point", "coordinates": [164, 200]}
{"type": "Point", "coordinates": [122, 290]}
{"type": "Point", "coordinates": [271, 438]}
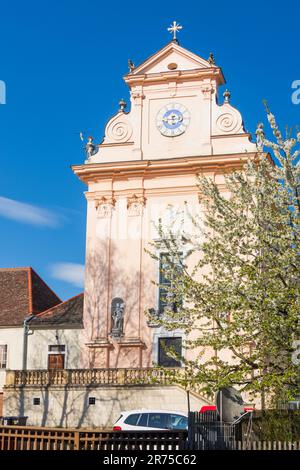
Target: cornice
{"type": "Point", "coordinates": [117, 144]}
{"type": "Point", "coordinates": [222, 136]}
{"type": "Point", "coordinates": [214, 73]}
{"type": "Point", "coordinates": [93, 172]}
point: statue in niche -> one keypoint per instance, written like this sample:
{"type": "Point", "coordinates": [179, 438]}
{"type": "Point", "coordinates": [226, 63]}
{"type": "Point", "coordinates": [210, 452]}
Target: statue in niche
{"type": "Point", "coordinates": [117, 317]}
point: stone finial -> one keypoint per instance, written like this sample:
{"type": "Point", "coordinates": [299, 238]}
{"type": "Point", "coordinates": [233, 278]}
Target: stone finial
{"type": "Point", "coordinates": [226, 96]}
{"type": "Point", "coordinates": [122, 105]}
{"type": "Point", "coordinates": [211, 59]}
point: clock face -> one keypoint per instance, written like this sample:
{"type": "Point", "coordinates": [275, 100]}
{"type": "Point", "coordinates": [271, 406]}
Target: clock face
{"type": "Point", "coordinates": [173, 119]}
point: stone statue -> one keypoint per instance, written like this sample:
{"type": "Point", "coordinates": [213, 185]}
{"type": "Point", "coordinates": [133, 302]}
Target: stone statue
{"type": "Point", "coordinates": [117, 317]}
{"type": "Point", "coordinates": [211, 59]}
{"type": "Point", "coordinates": [131, 65]}
{"type": "Point", "coordinates": [90, 147]}
{"type": "Point", "coordinates": [260, 137]}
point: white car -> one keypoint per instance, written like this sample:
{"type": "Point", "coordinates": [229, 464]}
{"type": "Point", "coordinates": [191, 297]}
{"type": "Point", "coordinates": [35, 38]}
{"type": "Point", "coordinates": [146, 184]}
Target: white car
{"type": "Point", "coordinates": [151, 420]}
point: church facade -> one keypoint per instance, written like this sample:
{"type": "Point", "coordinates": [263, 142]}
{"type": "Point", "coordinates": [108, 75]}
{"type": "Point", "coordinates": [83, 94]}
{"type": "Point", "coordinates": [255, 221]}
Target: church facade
{"type": "Point", "coordinates": [104, 344]}
{"type": "Point", "coordinates": [145, 169]}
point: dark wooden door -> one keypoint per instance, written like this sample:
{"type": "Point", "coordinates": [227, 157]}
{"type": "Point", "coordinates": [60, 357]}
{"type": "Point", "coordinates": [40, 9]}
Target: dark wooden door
{"type": "Point", "coordinates": [56, 361]}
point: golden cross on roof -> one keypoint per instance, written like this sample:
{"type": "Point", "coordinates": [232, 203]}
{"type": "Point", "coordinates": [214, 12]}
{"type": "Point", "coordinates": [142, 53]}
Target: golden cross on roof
{"type": "Point", "coordinates": [174, 29]}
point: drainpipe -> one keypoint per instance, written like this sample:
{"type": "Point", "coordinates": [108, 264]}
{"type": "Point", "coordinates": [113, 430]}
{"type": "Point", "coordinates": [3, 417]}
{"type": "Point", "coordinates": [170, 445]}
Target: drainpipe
{"type": "Point", "coordinates": [26, 333]}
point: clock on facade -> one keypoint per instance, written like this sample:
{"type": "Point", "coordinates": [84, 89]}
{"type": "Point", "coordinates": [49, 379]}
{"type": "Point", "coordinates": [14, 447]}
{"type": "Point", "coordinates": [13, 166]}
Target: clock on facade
{"type": "Point", "coordinates": [173, 119]}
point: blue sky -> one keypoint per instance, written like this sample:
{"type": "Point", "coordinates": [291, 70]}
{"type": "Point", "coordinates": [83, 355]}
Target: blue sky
{"type": "Point", "coordinates": [63, 62]}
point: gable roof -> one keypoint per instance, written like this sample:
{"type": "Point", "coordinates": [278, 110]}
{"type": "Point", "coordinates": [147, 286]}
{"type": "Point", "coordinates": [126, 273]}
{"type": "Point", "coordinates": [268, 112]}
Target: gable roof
{"type": "Point", "coordinates": [195, 60]}
{"type": "Point", "coordinates": [68, 313]}
{"type": "Point", "coordinates": [184, 61]}
{"type": "Point", "coordinates": [22, 293]}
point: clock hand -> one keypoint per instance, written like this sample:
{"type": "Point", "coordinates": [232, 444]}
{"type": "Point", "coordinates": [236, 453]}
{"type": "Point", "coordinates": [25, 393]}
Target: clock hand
{"type": "Point", "coordinates": [173, 119]}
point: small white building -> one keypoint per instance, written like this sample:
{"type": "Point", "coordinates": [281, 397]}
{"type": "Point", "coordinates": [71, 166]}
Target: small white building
{"type": "Point", "coordinates": [53, 336]}
{"type": "Point", "coordinates": [37, 329]}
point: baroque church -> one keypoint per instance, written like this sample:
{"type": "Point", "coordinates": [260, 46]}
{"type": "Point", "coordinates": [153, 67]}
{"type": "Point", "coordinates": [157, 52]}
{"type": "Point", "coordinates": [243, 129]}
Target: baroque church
{"type": "Point", "coordinates": [178, 124]}
{"type": "Point", "coordinates": [149, 159]}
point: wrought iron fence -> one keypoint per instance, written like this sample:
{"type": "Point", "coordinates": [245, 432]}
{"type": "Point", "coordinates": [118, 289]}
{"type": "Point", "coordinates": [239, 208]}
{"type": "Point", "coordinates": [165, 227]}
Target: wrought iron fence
{"type": "Point", "coordinates": [207, 432]}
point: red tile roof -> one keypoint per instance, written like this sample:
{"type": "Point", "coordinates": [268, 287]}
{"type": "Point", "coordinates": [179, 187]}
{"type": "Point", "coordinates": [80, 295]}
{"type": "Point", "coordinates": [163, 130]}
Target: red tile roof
{"type": "Point", "coordinates": [68, 313]}
{"type": "Point", "coordinates": [22, 293]}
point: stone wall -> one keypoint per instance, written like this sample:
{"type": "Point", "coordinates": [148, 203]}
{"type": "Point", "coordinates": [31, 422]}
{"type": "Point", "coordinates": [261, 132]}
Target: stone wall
{"type": "Point", "coordinates": [68, 406]}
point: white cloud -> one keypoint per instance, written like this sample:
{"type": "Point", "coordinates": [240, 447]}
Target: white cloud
{"type": "Point", "coordinates": [68, 272]}
{"type": "Point", "coordinates": [27, 213]}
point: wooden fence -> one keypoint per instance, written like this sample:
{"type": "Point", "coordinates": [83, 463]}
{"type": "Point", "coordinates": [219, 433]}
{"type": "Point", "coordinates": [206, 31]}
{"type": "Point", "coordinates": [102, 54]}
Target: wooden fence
{"type": "Point", "coordinates": [36, 438]}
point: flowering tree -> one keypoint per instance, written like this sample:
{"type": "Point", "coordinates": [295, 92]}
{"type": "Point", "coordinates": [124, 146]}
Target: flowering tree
{"type": "Point", "coordinates": [241, 299]}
